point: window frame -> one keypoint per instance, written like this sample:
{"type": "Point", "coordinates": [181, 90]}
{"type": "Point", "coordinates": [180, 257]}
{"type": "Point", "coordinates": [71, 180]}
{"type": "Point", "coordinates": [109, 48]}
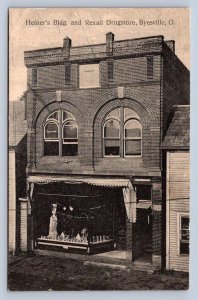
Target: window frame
{"type": "Point", "coordinates": [49, 139]}
{"type": "Point", "coordinates": [104, 138]}
{"type": "Point", "coordinates": [122, 121]}
{"type": "Point", "coordinates": [63, 125]}
{"type": "Point", "coordinates": [60, 124]}
{"type": "Point", "coordinates": [132, 139]}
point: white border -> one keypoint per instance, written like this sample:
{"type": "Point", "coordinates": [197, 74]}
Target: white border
{"type": "Point", "coordinates": [176, 295]}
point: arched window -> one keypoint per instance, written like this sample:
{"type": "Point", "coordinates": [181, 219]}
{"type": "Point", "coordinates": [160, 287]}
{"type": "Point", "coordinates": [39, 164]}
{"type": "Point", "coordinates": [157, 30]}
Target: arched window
{"type": "Point", "coordinates": [60, 134]}
{"type": "Point", "coordinates": [70, 138]}
{"type": "Point", "coordinates": [112, 137]}
{"type": "Point", "coordinates": [132, 137]}
{"type": "Point", "coordinates": [122, 133]}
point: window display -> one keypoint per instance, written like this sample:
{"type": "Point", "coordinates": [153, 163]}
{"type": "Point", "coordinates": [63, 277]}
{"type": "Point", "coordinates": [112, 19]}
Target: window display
{"type": "Point", "coordinates": [76, 226]}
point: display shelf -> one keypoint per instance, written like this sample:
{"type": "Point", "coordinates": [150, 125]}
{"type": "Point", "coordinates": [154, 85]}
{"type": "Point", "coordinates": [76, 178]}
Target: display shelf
{"type": "Point", "coordinates": [66, 245]}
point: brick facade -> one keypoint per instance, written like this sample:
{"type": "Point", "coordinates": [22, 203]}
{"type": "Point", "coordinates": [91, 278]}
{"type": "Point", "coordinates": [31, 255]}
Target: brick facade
{"type": "Point", "coordinates": [150, 91]}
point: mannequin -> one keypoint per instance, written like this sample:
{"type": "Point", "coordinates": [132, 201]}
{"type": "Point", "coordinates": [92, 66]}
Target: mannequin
{"type": "Point", "coordinates": [53, 223]}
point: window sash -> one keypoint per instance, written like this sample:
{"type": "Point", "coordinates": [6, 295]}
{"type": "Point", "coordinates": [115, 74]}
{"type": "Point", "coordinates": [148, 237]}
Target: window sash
{"type": "Point", "coordinates": [135, 151]}
{"type": "Point", "coordinates": [60, 141]}
{"type": "Point", "coordinates": [52, 138]}
{"type": "Point", "coordinates": [109, 144]}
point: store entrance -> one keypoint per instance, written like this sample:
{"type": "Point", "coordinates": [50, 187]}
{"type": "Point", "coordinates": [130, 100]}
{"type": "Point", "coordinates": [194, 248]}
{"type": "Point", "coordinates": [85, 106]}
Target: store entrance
{"type": "Point", "coordinates": [142, 230]}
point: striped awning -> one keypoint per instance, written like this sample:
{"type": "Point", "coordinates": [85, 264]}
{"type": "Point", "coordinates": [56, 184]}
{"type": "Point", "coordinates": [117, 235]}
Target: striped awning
{"type": "Point", "coordinates": [109, 182]}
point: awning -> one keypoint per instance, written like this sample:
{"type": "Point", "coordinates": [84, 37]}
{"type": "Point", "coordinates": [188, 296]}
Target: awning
{"type": "Point", "coordinates": [109, 182]}
{"type": "Point", "coordinates": [129, 193]}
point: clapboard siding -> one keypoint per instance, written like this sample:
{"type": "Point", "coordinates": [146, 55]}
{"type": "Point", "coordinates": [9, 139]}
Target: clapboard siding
{"type": "Point", "coordinates": [178, 193]}
{"type": "Point", "coordinates": [23, 228]}
{"type": "Point", "coordinates": [12, 203]}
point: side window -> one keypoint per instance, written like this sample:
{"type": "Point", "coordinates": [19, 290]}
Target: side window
{"type": "Point", "coordinates": [184, 235]}
{"type": "Point", "coordinates": [60, 134]}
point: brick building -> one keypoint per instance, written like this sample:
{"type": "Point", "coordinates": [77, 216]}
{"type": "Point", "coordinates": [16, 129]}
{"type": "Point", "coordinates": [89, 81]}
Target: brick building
{"type": "Point", "coordinates": [97, 115]}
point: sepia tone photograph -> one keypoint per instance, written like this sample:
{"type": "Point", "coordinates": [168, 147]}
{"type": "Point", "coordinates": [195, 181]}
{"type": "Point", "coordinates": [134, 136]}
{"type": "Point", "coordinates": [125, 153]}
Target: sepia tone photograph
{"type": "Point", "coordinates": [99, 149]}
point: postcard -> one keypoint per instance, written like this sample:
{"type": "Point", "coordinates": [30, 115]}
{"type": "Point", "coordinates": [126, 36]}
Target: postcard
{"type": "Point", "coordinates": [99, 149]}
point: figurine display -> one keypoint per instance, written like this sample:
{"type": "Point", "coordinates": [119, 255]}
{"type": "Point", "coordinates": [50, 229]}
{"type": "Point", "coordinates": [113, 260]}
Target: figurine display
{"type": "Point", "coordinates": [53, 223]}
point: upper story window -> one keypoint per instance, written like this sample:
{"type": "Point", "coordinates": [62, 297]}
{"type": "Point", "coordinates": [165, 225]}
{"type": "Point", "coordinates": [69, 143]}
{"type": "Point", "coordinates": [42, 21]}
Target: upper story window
{"type": "Point", "coordinates": [89, 76]}
{"type": "Point", "coordinates": [61, 134]}
{"type": "Point", "coordinates": [34, 76]}
{"type": "Point", "coordinates": [122, 133]}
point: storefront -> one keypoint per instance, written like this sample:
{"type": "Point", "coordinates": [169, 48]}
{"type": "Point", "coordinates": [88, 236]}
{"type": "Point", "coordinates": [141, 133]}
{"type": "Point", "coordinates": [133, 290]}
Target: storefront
{"type": "Point", "coordinates": [78, 214]}
{"type": "Point", "coordinates": [89, 216]}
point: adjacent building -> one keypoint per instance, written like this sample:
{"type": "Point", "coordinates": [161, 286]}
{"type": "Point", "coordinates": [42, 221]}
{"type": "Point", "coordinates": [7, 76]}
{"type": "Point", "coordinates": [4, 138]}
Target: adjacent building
{"type": "Point", "coordinates": [177, 161]}
{"type": "Point", "coordinates": [96, 119]}
{"type": "Point", "coordinates": [17, 156]}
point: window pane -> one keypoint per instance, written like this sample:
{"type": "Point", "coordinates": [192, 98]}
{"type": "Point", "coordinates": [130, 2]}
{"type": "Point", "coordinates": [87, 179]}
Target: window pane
{"type": "Point", "coordinates": [53, 116]}
{"type": "Point", "coordinates": [70, 130]}
{"type": "Point", "coordinates": [51, 131]}
{"type": "Point", "coordinates": [129, 113]}
{"type": "Point", "coordinates": [132, 129]}
{"type": "Point", "coordinates": [184, 223]}
{"type": "Point", "coordinates": [112, 147]}
{"type": "Point", "coordinates": [185, 229]}
{"type": "Point", "coordinates": [51, 148]}
{"type": "Point", "coordinates": [114, 114]}
{"type": "Point", "coordinates": [69, 149]}
{"type": "Point", "coordinates": [184, 248]}
{"type": "Point", "coordinates": [112, 129]}
{"type": "Point", "coordinates": [67, 115]}
{"type": "Point", "coordinates": [133, 147]}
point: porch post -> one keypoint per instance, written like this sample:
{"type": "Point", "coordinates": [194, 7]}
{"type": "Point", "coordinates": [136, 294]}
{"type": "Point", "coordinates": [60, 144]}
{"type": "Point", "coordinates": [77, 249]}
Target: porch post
{"type": "Point", "coordinates": [157, 225]}
{"type": "Point", "coordinates": [130, 222]}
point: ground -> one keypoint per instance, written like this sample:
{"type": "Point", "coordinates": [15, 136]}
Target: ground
{"type": "Point", "coordinates": [42, 273]}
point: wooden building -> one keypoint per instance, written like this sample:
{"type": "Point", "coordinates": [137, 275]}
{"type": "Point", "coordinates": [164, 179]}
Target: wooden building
{"type": "Point", "coordinates": [17, 160]}
{"type": "Point", "coordinates": [176, 146]}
